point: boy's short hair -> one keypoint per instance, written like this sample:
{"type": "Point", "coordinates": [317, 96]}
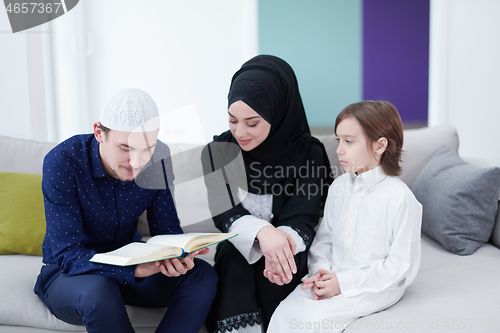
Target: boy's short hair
{"type": "Point", "coordinates": [379, 119]}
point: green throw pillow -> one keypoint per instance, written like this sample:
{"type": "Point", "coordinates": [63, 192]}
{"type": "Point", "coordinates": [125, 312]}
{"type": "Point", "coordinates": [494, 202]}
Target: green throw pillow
{"type": "Point", "coordinates": [22, 215]}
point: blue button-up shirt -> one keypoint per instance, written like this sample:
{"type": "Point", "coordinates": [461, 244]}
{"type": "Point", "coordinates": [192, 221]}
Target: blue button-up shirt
{"type": "Point", "coordinates": [88, 211]}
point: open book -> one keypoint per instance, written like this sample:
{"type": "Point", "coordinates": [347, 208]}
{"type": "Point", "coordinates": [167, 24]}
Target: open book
{"type": "Point", "coordinates": [159, 248]}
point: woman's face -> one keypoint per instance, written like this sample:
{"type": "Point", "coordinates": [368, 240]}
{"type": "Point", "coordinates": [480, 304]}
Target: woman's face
{"type": "Point", "coordinates": [247, 126]}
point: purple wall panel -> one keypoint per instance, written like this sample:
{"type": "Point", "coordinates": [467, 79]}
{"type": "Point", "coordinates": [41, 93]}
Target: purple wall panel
{"type": "Point", "coordinates": [396, 55]}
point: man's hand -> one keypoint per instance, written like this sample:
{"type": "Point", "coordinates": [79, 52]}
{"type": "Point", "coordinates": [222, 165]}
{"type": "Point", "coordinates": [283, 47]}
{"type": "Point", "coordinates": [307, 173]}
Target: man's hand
{"type": "Point", "coordinates": [278, 248]}
{"type": "Point", "coordinates": [146, 269]}
{"type": "Point", "coordinates": [169, 267]}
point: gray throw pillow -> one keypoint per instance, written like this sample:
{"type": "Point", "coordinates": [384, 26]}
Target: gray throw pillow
{"type": "Point", "coordinates": [495, 235]}
{"type": "Point", "coordinates": [459, 201]}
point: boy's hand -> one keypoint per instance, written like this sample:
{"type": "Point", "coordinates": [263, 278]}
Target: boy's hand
{"type": "Point", "coordinates": [310, 283]}
{"type": "Point", "coordinates": [326, 286]}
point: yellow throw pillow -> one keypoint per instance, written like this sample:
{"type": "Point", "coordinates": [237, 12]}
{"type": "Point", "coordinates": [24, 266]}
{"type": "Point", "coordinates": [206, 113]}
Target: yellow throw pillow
{"type": "Point", "coordinates": [22, 214]}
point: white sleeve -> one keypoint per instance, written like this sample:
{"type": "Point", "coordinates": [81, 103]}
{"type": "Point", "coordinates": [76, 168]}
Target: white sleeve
{"type": "Point", "coordinates": [299, 242]}
{"type": "Point", "coordinates": [247, 227]}
{"type": "Point", "coordinates": [320, 253]}
{"type": "Point", "coordinates": [400, 265]}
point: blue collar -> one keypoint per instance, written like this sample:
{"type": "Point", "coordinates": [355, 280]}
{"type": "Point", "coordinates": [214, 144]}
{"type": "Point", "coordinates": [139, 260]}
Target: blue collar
{"type": "Point", "coordinates": [95, 161]}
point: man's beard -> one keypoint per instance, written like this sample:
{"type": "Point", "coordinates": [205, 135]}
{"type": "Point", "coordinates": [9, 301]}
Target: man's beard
{"type": "Point", "coordinates": [118, 177]}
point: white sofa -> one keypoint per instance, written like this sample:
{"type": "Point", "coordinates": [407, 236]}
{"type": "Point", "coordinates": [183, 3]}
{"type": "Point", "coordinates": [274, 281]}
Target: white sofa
{"type": "Point", "coordinates": [450, 293]}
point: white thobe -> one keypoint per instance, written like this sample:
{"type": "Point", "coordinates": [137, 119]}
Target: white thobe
{"type": "Point", "coordinates": [369, 237]}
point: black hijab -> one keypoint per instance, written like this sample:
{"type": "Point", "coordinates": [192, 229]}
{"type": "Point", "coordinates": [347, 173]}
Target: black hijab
{"type": "Point", "coordinates": [268, 85]}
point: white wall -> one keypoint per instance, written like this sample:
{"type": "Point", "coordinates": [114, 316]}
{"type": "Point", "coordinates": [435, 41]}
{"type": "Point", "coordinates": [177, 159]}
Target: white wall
{"type": "Point", "coordinates": [464, 73]}
{"type": "Point", "coordinates": [25, 81]}
{"type": "Point", "coordinates": [68, 47]}
{"type": "Point", "coordinates": [55, 77]}
{"type": "Point", "coordinates": [183, 53]}
{"type": "Point", "coordinates": [14, 91]}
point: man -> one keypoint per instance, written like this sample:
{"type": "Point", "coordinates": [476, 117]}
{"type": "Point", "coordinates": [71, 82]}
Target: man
{"type": "Point", "coordinates": [92, 205]}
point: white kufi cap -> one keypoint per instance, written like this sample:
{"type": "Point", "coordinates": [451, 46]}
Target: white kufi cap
{"type": "Point", "coordinates": [130, 110]}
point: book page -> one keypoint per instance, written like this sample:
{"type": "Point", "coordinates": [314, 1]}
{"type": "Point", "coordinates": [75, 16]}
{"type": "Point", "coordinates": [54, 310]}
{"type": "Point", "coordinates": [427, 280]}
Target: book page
{"type": "Point", "coordinates": [178, 240]}
{"type": "Point", "coordinates": [135, 250]}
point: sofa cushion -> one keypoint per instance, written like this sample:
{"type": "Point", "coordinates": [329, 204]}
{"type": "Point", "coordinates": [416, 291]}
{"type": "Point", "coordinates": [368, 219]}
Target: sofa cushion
{"type": "Point", "coordinates": [450, 294]}
{"type": "Point", "coordinates": [22, 217]}
{"type": "Point", "coordinates": [459, 201]}
{"type": "Point", "coordinates": [19, 155]}
{"type": "Point", "coordinates": [190, 194]}
{"type": "Point", "coordinates": [20, 306]}
{"type": "Point", "coordinates": [420, 144]}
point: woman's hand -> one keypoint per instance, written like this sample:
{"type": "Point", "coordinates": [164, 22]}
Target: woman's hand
{"type": "Point", "coordinates": [278, 248]}
{"type": "Point", "coordinates": [169, 267]}
{"type": "Point", "coordinates": [272, 275]}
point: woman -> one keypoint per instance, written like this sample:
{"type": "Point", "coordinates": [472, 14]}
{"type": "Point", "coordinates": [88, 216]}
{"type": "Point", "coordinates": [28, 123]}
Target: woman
{"type": "Point", "coordinates": [274, 206]}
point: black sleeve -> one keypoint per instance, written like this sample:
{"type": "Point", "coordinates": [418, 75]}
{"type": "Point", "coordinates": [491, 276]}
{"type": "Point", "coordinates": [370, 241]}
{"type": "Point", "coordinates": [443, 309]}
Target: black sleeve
{"type": "Point", "coordinates": [299, 206]}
